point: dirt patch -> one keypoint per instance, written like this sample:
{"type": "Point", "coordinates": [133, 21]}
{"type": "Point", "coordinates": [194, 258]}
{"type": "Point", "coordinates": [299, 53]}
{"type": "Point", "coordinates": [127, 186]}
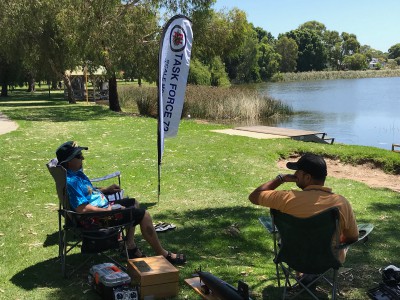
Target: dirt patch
{"type": "Point", "coordinates": [365, 173]}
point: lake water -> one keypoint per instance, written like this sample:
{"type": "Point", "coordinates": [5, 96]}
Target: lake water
{"type": "Point", "coordinates": [353, 111]}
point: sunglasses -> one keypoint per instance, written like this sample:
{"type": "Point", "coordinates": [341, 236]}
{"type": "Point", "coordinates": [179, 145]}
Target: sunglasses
{"type": "Point", "coordinates": [79, 156]}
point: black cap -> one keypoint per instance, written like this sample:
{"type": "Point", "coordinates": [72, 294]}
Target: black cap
{"type": "Point", "coordinates": [310, 163]}
{"type": "Point", "coordinates": [68, 151]}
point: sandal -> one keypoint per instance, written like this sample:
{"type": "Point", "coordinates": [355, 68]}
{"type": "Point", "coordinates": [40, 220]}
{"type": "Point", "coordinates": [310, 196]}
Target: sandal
{"type": "Point", "coordinates": [161, 227]}
{"type": "Point", "coordinates": [180, 259]}
{"type": "Point", "coordinates": [132, 253]}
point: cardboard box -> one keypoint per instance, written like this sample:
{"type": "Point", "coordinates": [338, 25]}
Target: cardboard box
{"type": "Point", "coordinates": [155, 276]}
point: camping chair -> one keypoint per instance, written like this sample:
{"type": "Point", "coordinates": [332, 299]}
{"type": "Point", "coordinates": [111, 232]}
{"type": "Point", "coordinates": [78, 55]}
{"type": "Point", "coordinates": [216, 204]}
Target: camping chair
{"type": "Point", "coordinates": [95, 232]}
{"type": "Point", "coordinates": [305, 245]}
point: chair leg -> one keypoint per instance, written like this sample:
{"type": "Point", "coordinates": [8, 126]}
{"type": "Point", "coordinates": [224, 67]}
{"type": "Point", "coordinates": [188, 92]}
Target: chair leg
{"type": "Point", "coordinates": [278, 275]}
{"type": "Point", "coordinates": [64, 253]}
{"type": "Point", "coordinates": [60, 229]}
{"type": "Point", "coordinates": [123, 236]}
{"type": "Point", "coordinates": [334, 285]}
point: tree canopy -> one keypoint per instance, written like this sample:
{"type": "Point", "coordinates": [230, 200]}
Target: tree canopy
{"type": "Point", "coordinates": [40, 40]}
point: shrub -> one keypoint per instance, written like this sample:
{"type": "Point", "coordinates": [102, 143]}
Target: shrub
{"type": "Point", "coordinates": [199, 74]}
{"type": "Point", "coordinates": [139, 99]}
{"type": "Point", "coordinates": [219, 77]}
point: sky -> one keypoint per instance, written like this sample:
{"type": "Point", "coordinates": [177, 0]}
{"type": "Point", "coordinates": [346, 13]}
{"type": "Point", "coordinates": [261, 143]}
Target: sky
{"type": "Point", "coordinates": [375, 23]}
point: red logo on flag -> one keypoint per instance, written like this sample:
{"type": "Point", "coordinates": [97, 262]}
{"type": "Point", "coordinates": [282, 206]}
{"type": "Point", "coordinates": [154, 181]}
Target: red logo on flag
{"type": "Point", "coordinates": [177, 39]}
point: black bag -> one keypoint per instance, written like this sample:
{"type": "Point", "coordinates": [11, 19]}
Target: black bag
{"type": "Point", "coordinates": [391, 275]}
{"type": "Point", "coordinates": [99, 241]}
{"type": "Point", "coordinates": [390, 288]}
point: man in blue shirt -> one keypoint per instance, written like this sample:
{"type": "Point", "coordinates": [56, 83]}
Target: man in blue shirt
{"type": "Point", "coordinates": [84, 198]}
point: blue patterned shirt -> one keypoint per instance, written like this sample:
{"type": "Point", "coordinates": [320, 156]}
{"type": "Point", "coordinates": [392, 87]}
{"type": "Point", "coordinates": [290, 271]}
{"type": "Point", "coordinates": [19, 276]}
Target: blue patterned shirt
{"type": "Point", "coordinates": [81, 191]}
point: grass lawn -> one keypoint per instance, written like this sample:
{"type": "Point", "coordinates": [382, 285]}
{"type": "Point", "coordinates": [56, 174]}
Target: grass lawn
{"type": "Point", "coordinates": [206, 179]}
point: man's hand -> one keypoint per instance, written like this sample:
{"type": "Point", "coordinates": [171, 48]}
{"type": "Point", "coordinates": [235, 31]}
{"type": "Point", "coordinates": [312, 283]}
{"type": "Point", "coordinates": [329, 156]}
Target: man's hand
{"type": "Point", "coordinates": [289, 178]}
{"type": "Point", "coordinates": [271, 185]}
{"type": "Point", "coordinates": [112, 189]}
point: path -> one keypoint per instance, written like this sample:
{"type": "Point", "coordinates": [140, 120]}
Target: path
{"type": "Point", "coordinates": [6, 125]}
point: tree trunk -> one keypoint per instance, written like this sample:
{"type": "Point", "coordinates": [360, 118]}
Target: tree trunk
{"type": "Point", "coordinates": [4, 90]}
{"type": "Point", "coordinates": [67, 83]}
{"type": "Point", "coordinates": [54, 85]}
{"type": "Point", "coordinates": [31, 83]}
{"type": "Point", "coordinates": [113, 94]}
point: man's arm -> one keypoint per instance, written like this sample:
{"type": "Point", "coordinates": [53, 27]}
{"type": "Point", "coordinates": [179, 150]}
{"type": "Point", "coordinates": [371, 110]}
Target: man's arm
{"type": "Point", "coordinates": [112, 189]}
{"type": "Point", "coordinates": [271, 185]}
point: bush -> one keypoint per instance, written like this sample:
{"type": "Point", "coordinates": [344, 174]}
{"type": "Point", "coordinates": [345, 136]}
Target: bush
{"type": "Point", "coordinates": [219, 77]}
{"type": "Point", "coordinates": [199, 74]}
{"type": "Point", "coordinates": [139, 99]}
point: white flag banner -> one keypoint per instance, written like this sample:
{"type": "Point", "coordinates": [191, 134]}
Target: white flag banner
{"type": "Point", "coordinates": [174, 61]}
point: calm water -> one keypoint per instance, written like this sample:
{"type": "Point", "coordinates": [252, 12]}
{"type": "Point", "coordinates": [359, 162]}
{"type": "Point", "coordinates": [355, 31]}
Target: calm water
{"type": "Point", "coordinates": [353, 111]}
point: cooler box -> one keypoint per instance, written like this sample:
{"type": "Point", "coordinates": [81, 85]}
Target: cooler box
{"type": "Point", "coordinates": [155, 277]}
{"type": "Point", "coordinates": [108, 280]}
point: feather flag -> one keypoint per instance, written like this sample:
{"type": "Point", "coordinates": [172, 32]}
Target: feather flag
{"type": "Point", "coordinates": [174, 61]}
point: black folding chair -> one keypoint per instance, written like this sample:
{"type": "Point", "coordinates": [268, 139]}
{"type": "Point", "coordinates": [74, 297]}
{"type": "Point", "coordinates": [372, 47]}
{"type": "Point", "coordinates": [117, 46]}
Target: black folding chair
{"type": "Point", "coordinates": [94, 232]}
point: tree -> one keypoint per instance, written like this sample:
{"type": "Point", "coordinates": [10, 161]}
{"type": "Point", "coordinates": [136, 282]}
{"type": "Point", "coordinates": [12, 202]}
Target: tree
{"type": "Point", "coordinates": [263, 34]}
{"type": "Point", "coordinates": [269, 60]}
{"type": "Point", "coordinates": [373, 53]}
{"type": "Point", "coordinates": [241, 60]}
{"type": "Point", "coordinates": [356, 61]}
{"type": "Point", "coordinates": [315, 26]}
{"type": "Point", "coordinates": [312, 53]}
{"type": "Point", "coordinates": [227, 35]}
{"type": "Point", "coordinates": [10, 48]}
{"type": "Point", "coordinates": [394, 51]}
{"type": "Point", "coordinates": [350, 44]}
{"type": "Point", "coordinates": [113, 33]}
{"type": "Point", "coordinates": [288, 50]}
{"type": "Point", "coordinates": [333, 44]}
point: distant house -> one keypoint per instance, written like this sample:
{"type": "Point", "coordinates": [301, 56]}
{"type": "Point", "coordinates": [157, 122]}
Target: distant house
{"type": "Point", "coordinates": [79, 78]}
{"type": "Point", "coordinates": [374, 63]}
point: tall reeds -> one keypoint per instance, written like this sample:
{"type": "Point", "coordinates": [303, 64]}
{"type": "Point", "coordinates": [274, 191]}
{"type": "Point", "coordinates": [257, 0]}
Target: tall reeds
{"type": "Point", "coordinates": [323, 75]}
{"type": "Point", "coordinates": [209, 103]}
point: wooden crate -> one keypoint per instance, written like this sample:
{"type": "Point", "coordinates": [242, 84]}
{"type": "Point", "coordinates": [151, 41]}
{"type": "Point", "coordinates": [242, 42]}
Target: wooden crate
{"type": "Point", "coordinates": [155, 276]}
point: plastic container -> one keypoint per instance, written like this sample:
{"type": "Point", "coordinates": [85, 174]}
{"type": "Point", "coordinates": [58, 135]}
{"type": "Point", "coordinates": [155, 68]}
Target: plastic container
{"type": "Point", "coordinates": [107, 279]}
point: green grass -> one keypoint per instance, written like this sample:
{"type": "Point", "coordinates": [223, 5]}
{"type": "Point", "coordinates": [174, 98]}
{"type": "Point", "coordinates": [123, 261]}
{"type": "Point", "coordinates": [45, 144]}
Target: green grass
{"type": "Point", "coordinates": [206, 179]}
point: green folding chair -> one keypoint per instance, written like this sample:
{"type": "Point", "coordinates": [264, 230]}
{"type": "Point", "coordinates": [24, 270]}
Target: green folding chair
{"type": "Point", "coordinates": [307, 245]}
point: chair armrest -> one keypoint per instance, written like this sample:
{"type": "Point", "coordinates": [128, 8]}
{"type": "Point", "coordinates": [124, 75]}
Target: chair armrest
{"type": "Point", "coordinates": [105, 213]}
{"type": "Point", "coordinates": [109, 176]}
{"type": "Point", "coordinates": [267, 223]}
{"type": "Point", "coordinates": [363, 231]}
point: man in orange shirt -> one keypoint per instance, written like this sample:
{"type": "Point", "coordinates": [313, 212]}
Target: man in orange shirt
{"type": "Point", "coordinates": [314, 197]}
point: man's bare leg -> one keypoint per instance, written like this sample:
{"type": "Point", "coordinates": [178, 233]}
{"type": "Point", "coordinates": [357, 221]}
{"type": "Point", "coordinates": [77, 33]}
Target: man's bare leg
{"type": "Point", "coordinates": [150, 235]}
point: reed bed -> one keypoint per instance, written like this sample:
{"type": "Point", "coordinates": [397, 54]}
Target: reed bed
{"type": "Point", "coordinates": [323, 75]}
{"type": "Point", "coordinates": [210, 103]}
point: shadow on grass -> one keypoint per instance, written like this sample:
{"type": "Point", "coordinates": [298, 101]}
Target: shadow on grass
{"type": "Point", "coordinates": [40, 95]}
{"type": "Point", "coordinates": [39, 107]}
{"type": "Point", "coordinates": [41, 103]}
{"type": "Point", "coordinates": [60, 113]}
{"type": "Point", "coordinates": [47, 275]}
{"type": "Point", "coordinates": [203, 237]}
